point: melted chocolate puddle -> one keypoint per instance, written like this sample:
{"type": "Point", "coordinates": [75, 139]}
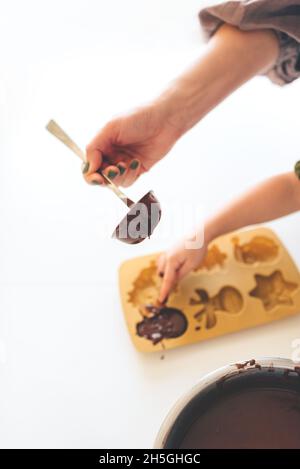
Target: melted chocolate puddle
{"type": "Point", "coordinates": [162, 323]}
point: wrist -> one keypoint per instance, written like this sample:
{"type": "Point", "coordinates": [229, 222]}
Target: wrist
{"type": "Point", "coordinates": [184, 104]}
{"type": "Point", "coordinates": [172, 108]}
{"type": "Point", "coordinates": [201, 237]}
{"type": "Point", "coordinates": [212, 230]}
{"type": "Point", "coordinates": [232, 58]}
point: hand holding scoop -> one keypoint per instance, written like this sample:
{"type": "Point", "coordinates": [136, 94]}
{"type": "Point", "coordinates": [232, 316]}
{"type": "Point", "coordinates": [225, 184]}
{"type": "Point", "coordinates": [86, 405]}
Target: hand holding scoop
{"type": "Point", "coordinates": [143, 216]}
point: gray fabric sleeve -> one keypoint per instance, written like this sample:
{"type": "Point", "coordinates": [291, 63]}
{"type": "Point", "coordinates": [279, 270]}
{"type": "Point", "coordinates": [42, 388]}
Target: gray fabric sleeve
{"type": "Point", "coordinates": [282, 16]}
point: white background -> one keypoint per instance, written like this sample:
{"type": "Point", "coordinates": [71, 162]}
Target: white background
{"type": "Point", "coordinates": [70, 376]}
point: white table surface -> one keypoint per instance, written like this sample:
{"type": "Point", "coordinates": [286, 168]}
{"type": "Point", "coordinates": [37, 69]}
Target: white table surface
{"type": "Point", "coordinates": [70, 376]}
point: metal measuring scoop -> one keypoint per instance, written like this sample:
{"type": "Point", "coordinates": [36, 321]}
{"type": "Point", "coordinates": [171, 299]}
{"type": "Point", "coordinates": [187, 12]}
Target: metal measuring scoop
{"type": "Point", "coordinates": [143, 216]}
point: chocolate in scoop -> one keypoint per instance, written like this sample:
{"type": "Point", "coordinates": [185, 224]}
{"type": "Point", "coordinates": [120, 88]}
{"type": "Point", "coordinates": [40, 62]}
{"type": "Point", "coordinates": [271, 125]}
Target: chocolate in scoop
{"type": "Point", "coordinates": [142, 217]}
{"type": "Point", "coordinates": [140, 221]}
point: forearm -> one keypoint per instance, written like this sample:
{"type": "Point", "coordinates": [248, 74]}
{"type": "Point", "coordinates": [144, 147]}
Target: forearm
{"type": "Point", "coordinates": [231, 58]}
{"type": "Point", "coordinates": [274, 198]}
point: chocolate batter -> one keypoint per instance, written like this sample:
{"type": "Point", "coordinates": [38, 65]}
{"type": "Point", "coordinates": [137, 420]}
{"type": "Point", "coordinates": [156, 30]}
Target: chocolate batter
{"type": "Point", "coordinates": [253, 409]}
{"type": "Point", "coordinates": [140, 221]}
{"type": "Point", "coordinates": [163, 323]}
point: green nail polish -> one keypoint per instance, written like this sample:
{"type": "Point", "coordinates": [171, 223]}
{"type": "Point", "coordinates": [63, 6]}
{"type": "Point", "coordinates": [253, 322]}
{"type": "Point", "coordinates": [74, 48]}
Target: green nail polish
{"type": "Point", "coordinates": [297, 169]}
{"type": "Point", "coordinates": [134, 164]}
{"type": "Point", "coordinates": [96, 183]}
{"type": "Point", "coordinates": [85, 167]}
{"type": "Point", "coordinates": [112, 174]}
{"type": "Point", "coordinates": [121, 169]}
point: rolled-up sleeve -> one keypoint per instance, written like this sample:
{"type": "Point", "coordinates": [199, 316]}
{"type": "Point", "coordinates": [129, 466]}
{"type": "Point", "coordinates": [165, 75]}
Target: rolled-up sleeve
{"type": "Point", "coordinates": [282, 16]}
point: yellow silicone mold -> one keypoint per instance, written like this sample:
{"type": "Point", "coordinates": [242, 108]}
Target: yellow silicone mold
{"type": "Point", "coordinates": [247, 279]}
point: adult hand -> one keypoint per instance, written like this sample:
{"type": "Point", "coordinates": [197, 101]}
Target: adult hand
{"type": "Point", "coordinates": [130, 145]}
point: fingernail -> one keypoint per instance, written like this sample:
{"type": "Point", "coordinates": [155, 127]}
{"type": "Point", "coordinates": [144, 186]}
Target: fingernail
{"type": "Point", "coordinates": [96, 183]}
{"type": "Point", "coordinates": [121, 169]}
{"type": "Point", "coordinates": [134, 164]}
{"type": "Point", "coordinates": [112, 174]}
{"type": "Point", "coordinates": [85, 167]}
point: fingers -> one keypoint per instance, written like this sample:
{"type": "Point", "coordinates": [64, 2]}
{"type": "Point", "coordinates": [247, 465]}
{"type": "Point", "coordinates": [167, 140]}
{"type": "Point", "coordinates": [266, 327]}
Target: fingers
{"type": "Point", "coordinates": [123, 168]}
{"type": "Point", "coordinates": [112, 172]}
{"type": "Point", "coordinates": [161, 262]}
{"type": "Point", "coordinates": [95, 151]}
{"type": "Point", "coordinates": [113, 155]}
{"type": "Point", "coordinates": [93, 174]}
{"type": "Point", "coordinates": [124, 173]}
{"type": "Point", "coordinates": [172, 268]}
{"type": "Point", "coordinates": [169, 280]}
{"type": "Point", "coordinates": [185, 269]}
{"type": "Point", "coordinates": [171, 275]}
{"type": "Point", "coordinates": [120, 168]}
{"type": "Point", "coordinates": [94, 161]}
{"type": "Point", "coordinates": [121, 165]}
{"type": "Point", "coordinates": [133, 172]}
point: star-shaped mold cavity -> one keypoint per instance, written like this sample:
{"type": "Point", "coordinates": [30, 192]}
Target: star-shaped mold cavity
{"type": "Point", "coordinates": [273, 290]}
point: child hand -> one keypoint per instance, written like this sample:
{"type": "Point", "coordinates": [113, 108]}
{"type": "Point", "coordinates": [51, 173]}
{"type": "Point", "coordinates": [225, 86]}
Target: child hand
{"type": "Point", "coordinates": [175, 264]}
